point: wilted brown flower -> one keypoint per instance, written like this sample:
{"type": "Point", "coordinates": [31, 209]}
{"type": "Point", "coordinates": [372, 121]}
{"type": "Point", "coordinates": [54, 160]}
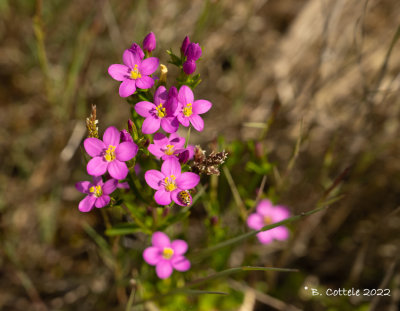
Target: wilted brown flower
{"type": "Point", "coordinates": [91, 124]}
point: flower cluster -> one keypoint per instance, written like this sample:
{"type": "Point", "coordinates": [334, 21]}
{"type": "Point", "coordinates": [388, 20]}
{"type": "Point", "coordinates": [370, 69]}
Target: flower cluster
{"type": "Point", "coordinates": [158, 112]}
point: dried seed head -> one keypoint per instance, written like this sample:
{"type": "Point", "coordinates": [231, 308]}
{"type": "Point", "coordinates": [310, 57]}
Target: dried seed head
{"type": "Point", "coordinates": [210, 164]}
{"type": "Point", "coordinates": [91, 124]}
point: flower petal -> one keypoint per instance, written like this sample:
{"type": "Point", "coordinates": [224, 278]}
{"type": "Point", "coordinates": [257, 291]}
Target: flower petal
{"type": "Point", "coordinates": [280, 213]}
{"type": "Point", "coordinates": [144, 82]}
{"type": "Point", "coordinates": [83, 186]}
{"type": "Point", "coordinates": [94, 146]}
{"type": "Point", "coordinates": [109, 186]}
{"type": "Point", "coordinates": [154, 178]}
{"type": "Point", "coordinates": [201, 106]}
{"type": "Point", "coordinates": [160, 240]}
{"type": "Point", "coordinates": [149, 65]}
{"type": "Point", "coordinates": [197, 122]}
{"type": "Point", "coordinates": [126, 151]}
{"type": "Point", "coordinates": [187, 180]}
{"type": "Point", "coordinates": [265, 237]}
{"type": "Point", "coordinates": [97, 166]}
{"type": "Point", "coordinates": [164, 269]}
{"type": "Point", "coordinates": [111, 136]}
{"type": "Point", "coordinates": [265, 208]}
{"type": "Point", "coordinates": [102, 201]}
{"type": "Point", "coordinates": [176, 140]}
{"type": "Point", "coordinates": [160, 96]}
{"type": "Point", "coordinates": [117, 169]}
{"type": "Point", "coordinates": [130, 59]}
{"type": "Point", "coordinates": [155, 150]}
{"type": "Point", "coordinates": [97, 180]}
{"type": "Point", "coordinates": [280, 233]}
{"type": "Point", "coordinates": [180, 263]}
{"type": "Point", "coordinates": [152, 255]}
{"type": "Point", "coordinates": [87, 203]}
{"type": "Point", "coordinates": [123, 185]}
{"type": "Point", "coordinates": [183, 120]}
{"type": "Point", "coordinates": [118, 72]}
{"type": "Point", "coordinates": [127, 88]}
{"type": "Point", "coordinates": [185, 95]}
{"type": "Point", "coordinates": [170, 167]}
{"type": "Point", "coordinates": [179, 246]}
{"type": "Point", "coordinates": [255, 221]}
{"type": "Point", "coordinates": [143, 108]}
{"type": "Point", "coordinates": [162, 197]}
{"type": "Point", "coordinates": [160, 139]}
{"type": "Point", "coordinates": [150, 125]}
{"type": "Point", "coordinates": [170, 125]}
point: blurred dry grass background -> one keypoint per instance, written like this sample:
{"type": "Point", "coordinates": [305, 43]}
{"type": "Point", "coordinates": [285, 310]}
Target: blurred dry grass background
{"type": "Point", "coordinates": [334, 64]}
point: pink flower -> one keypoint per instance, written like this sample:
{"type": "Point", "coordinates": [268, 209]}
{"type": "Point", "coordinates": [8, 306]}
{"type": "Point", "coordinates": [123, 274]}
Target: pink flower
{"type": "Point", "coordinates": [109, 155]}
{"type": "Point", "coordinates": [161, 113]}
{"type": "Point", "coordinates": [170, 183]}
{"type": "Point", "coordinates": [134, 73]}
{"type": "Point", "coordinates": [189, 67]}
{"type": "Point", "coordinates": [166, 255]}
{"type": "Point", "coordinates": [168, 147]}
{"type": "Point", "coordinates": [190, 109]}
{"type": "Point", "coordinates": [267, 214]}
{"type": "Point", "coordinates": [97, 193]}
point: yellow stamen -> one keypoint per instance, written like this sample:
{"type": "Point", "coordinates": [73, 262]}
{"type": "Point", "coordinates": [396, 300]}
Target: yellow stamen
{"type": "Point", "coordinates": [187, 111]}
{"type": "Point", "coordinates": [160, 111]}
{"type": "Point", "coordinates": [110, 153]}
{"type": "Point", "coordinates": [98, 192]}
{"type": "Point", "coordinates": [135, 74]}
{"type": "Point", "coordinates": [167, 253]}
{"type": "Point", "coordinates": [170, 183]}
{"type": "Point", "coordinates": [170, 150]}
{"type": "Point", "coordinates": [267, 220]}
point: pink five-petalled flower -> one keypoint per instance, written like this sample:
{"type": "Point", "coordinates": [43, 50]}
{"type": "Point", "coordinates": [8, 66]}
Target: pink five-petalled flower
{"type": "Point", "coordinates": [134, 73]}
{"type": "Point", "coordinates": [266, 214]}
{"type": "Point", "coordinates": [109, 155]}
{"type": "Point", "coordinates": [161, 113]}
{"type": "Point", "coordinates": [97, 192]}
{"type": "Point", "coordinates": [166, 255]}
{"type": "Point", "coordinates": [170, 182]}
{"type": "Point", "coordinates": [190, 109]}
{"type": "Point", "coordinates": [168, 147]}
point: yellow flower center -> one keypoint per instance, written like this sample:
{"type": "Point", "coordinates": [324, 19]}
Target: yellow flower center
{"type": "Point", "coordinates": [169, 150]}
{"type": "Point", "coordinates": [110, 153]}
{"type": "Point", "coordinates": [267, 220]}
{"type": "Point", "coordinates": [187, 111]}
{"type": "Point", "coordinates": [170, 183]}
{"type": "Point", "coordinates": [98, 192]}
{"type": "Point", "coordinates": [160, 111]}
{"type": "Point", "coordinates": [167, 253]}
{"type": "Point", "coordinates": [135, 74]}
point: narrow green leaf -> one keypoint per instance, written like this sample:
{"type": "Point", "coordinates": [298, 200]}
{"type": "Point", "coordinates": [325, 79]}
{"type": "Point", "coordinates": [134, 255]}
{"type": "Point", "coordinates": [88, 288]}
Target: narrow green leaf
{"type": "Point", "coordinates": [122, 229]}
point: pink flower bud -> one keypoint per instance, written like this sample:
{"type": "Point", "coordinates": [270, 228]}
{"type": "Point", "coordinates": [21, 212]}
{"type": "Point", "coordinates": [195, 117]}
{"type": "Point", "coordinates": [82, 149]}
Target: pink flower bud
{"type": "Point", "coordinates": [149, 42]}
{"type": "Point", "coordinates": [125, 136]}
{"type": "Point", "coordinates": [185, 45]}
{"type": "Point", "coordinates": [193, 51]}
{"type": "Point", "coordinates": [189, 67]}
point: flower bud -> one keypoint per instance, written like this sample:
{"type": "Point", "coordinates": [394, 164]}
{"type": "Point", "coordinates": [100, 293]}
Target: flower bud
{"type": "Point", "coordinates": [125, 136]}
{"type": "Point", "coordinates": [189, 67]}
{"type": "Point", "coordinates": [130, 126]}
{"type": "Point", "coordinates": [185, 45]}
{"type": "Point", "coordinates": [183, 157]}
{"type": "Point", "coordinates": [149, 42]}
{"type": "Point", "coordinates": [135, 48]}
{"type": "Point", "coordinates": [193, 51]}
